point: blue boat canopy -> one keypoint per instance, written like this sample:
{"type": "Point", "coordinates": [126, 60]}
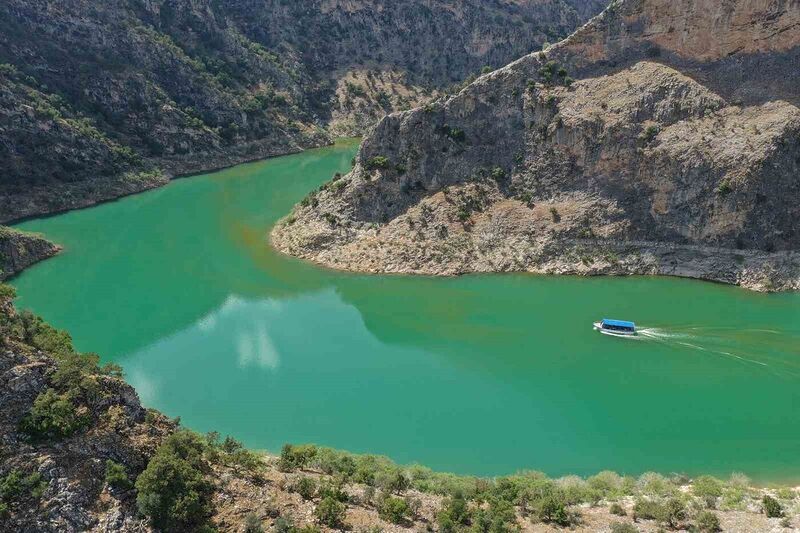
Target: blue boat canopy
{"type": "Point", "coordinates": [619, 323]}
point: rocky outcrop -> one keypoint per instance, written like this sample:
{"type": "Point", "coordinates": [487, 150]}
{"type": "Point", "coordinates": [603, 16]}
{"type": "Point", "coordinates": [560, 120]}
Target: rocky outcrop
{"type": "Point", "coordinates": [633, 167]}
{"type": "Point", "coordinates": [101, 99]}
{"type": "Point", "coordinates": [19, 250]}
{"type": "Point", "coordinates": [62, 487]}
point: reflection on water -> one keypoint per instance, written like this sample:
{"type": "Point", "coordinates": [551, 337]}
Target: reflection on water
{"type": "Point", "coordinates": [479, 374]}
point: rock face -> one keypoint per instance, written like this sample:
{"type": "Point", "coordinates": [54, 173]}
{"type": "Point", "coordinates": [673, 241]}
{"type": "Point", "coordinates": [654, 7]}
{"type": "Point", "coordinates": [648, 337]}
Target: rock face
{"type": "Point", "coordinates": [100, 99]}
{"type": "Point", "coordinates": [68, 494]}
{"type": "Point", "coordinates": [655, 160]}
{"type": "Point", "coordinates": [19, 250]}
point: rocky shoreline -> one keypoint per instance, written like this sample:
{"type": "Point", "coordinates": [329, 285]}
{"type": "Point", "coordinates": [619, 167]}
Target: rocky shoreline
{"type": "Point", "coordinates": [647, 162]}
{"type": "Point", "coordinates": [19, 250]}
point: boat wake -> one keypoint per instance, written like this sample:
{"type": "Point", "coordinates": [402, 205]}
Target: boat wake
{"type": "Point", "coordinates": [773, 349]}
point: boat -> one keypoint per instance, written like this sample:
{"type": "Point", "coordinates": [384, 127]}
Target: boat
{"type": "Point", "coordinates": [618, 328]}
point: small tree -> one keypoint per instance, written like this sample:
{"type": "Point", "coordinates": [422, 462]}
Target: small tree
{"type": "Point", "coordinates": [708, 522]}
{"type": "Point", "coordinates": [394, 510]}
{"type": "Point", "coordinates": [117, 476]}
{"type": "Point", "coordinates": [306, 487]}
{"type": "Point", "coordinates": [708, 489]}
{"type": "Point", "coordinates": [330, 512]}
{"type": "Point", "coordinates": [173, 490]}
{"type": "Point", "coordinates": [616, 509]}
{"type": "Point", "coordinates": [772, 508]}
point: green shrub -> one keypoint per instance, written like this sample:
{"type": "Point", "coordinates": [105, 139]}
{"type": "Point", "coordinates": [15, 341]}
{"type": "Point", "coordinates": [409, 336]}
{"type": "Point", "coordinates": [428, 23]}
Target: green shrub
{"type": "Point", "coordinates": [708, 489]}
{"type": "Point", "coordinates": [650, 133]}
{"type": "Point", "coordinates": [653, 484]}
{"type": "Point", "coordinates": [53, 416]}
{"type": "Point", "coordinates": [393, 509]}
{"type": "Point", "coordinates": [551, 508]}
{"type": "Point", "coordinates": [772, 508]}
{"type": "Point", "coordinates": [117, 476]}
{"type": "Point", "coordinates": [305, 487]}
{"type": "Point", "coordinates": [554, 214]}
{"type": "Point", "coordinates": [377, 162]}
{"type": "Point", "coordinates": [673, 512]}
{"type": "Point", "coordinates": [724, 188]}
{"type": "Point", "coordinates": [623, 527]}
{"type": "Point", "coordinates": [16, 486]}
{"type": "Point", "coordinates": [608, 483]}
{"type": "Point", "coordinates": [173, 491]}
{"type": "Point", "coordinates": [616, 509]}
{"type": "Point", "coordinates": [294, 457]}
{"type": "Point", "coordinates": [707, 522]}
{"type": "Point", "coordinates": [330, 512]}
{"type": "Point", "coordinates": [454, 513]}
{"type": "Point", "coordinates": [498, 174]}
{"type": "Point", "coordinates": [252, 524]}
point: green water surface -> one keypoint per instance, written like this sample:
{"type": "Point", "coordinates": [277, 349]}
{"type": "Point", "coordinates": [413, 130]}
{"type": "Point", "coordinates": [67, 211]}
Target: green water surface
{"type": "Point", "coordinates": [478, 374]}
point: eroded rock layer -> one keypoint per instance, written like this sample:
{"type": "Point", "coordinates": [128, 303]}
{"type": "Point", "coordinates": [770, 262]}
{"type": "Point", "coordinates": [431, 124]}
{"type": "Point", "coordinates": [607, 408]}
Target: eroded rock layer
{"type": "Point", "coordinates": [638, 166]}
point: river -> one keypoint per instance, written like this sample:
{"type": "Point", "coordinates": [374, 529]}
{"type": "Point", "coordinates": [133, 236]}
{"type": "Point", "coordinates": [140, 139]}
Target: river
{"type": "Point", "coordinates": [478, 374]}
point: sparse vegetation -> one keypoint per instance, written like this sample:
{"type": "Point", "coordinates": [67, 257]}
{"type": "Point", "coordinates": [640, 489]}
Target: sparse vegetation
{"type": "Point", "coordinates": [772, 507]}
{"type": "Point", "coordinates": [377, 162]}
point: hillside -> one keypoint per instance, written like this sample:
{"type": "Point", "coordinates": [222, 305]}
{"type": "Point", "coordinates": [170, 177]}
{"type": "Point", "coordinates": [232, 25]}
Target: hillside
{"type": "Point", "coordinates": [80, 453]}
{"type": "Point", "coordinates": [101, 99]}
{"type": "Point", "coordinates": [638, 145]}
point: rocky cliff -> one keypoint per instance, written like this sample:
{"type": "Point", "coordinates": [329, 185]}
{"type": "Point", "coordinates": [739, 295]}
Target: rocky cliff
{"type": "Point", "coordinates": [660, 138]}
{"type": "Point", "coordinates": [19, 250]}
{"type": "Point", "coordinates": [101, 99]}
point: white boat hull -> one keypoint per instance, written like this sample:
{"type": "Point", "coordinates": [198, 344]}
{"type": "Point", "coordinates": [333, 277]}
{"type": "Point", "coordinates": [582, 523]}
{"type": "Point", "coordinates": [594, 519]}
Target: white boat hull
{"type": "Point", "coordinates": [599, 327]}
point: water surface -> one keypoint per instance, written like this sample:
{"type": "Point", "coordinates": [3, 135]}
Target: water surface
{"type": "Point", "coordinates": [479, 374]}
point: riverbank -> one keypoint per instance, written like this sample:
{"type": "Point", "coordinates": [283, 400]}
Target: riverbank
{"type": "Point", "coordinates": [19, 250]}
{"type": "Point", "coordinates": [54, 198]}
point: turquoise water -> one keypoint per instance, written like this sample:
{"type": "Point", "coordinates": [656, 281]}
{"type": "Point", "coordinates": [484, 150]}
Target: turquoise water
{"type": "Point", "coordinates": [478, 374]}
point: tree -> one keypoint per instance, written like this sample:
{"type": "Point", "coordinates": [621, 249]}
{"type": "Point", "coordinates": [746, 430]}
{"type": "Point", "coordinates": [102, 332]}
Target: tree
{"type": "Point", "coordinates": [709, 489]}
{"type": "Point", "coordinates": [772, 508]}
{"type": "Point", "coordinates": [394, 510]}
{"type": "Point", "coordinates": [331, 512]}
{"type": "Point", "coordinates": [53, 416]}
{"type": "Point", "coordinates": [708, 522]}
{"type": "Point", "coordinates": [173, 490]}
{"type": "Point", "coordinates": [117, 476]}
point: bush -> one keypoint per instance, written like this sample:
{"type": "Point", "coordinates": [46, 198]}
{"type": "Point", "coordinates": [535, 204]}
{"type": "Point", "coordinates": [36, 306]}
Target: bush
{"type": "Point", "coordinates": [616, 509]}
{"type": "Point", "coordinates": [117, 476]}
{"type": "Point", "coordinates": [623, 527]}
{"type": "Point", "coordinates": [708, 522]}
{"type": "Point", "coordinates": [173, 491]}
{"type": "Point", "coordinates": [551, 508]}
{"type": "Point", "coordinates": [394, 510]}
{"type": "Point", "coordinates": [607, 483]}
{"type": "Point", "coordinates": [377, 162]}
{"type": "Point", "coordinates": [708, 489]}
{"type": "Point", "coordinates": [305, 487]}
{"type": "Point", "coordinates": [294, 457]}
{"type": "Point", "coordinates": [772, 508]}
{"type": "Point", "coordinates": [724, 188]}
{"type": "Point", "coordinates": [650, 133]}
{"type": "Point", "coordinates": [330, 512]}
{"type": "Point", "coordinates": [554, 214]}
{"type": "Point", "coordinates": [454, 513]}
{"type": "Point", "coordinates": [53, 416]}
{"type": "Point", "coordinates": [252, 524]}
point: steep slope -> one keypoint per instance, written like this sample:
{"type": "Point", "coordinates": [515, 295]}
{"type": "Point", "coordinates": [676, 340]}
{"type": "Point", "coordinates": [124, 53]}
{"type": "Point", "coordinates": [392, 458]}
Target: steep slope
{"type": "Point", "coordinates": [19, 250]}
{"type": "Point", "coordinates": [96, 96]}
{"type": "Point", "coordinates": [633, 168]}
